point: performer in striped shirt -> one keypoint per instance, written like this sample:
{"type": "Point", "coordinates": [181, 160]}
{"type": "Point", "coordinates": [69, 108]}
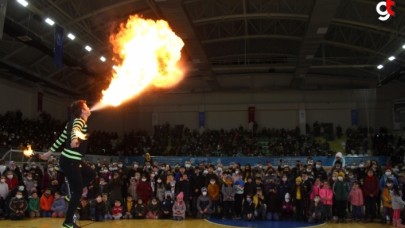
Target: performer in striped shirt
{"type": "Point", "coordinates": [77, 172]}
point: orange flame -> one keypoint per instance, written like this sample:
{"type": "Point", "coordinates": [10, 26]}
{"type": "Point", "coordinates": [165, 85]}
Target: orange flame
{"type": "Point", "coordinates": [28, 152]}
{"type": "Point", "coordinates": [149, 52]}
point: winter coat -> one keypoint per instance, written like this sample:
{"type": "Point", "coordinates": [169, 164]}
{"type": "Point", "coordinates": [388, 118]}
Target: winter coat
{"type": "Point", "coordinates": [33, 204]}
{"type": "Point", "coordinates": [356, 197]}
{"type": "Point", "coordinates": [213, 191]}
{"type": "Point", "coordinates": [46, 202]}
{"type": "Point", "coordinates": [397, 202]}
{"type": "Point", "coordinates": [203, 202]}
{"type": "Point", "coordinates": [179, 209]}
{"type": "Point", "coordinates": [370, 186]}
{"type": "Point", "coordinates": [59, 205]}
{"type": "Point", "coordinates": [326, 196]}
{"type": "Point", "coordinates": [341, 190]}
{"type": "Point", "coordinates": [386, 198]}
{"type": "Point", "coordinates": [144, 191]}
{"type": "Point", "coordinates": [228, 192]}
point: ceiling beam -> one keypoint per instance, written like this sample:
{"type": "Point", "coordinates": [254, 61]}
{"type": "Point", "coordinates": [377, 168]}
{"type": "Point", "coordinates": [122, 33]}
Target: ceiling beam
{"type": "Point", "coordinates": [251, 16]}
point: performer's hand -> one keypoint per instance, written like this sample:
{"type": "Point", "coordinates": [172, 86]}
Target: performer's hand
{"type": "Point", "coordinates": [45, 156]}
{"type": "Point", "coordinates": [75, 143]}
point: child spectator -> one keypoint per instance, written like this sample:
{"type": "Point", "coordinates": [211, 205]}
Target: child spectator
{"type": "Point", "coordinates": [33, 205]}
{"type": "Point", "coordinates": [115, 186]}
{"type": "Point", "coordinates": [397, 205]}
{"type": "Point", "coordinates": [315, 189]}
{"type": "Point", "coordinates": [228, 194]}
{"type": "Point", "coordinates": [99, 209]}
{"type": "Point", "coordinates": [139, 210]}
{"type": "Point", "coordinates": [84, 209]}
{"type": "Point", "coordinates": [299, 199]}
{"type": "Point", "coordinates": [11, 181]}
{"type": "Point", "coordinates": [30, 184]}
{"type": "Point", "coordinates": [326, 195]}
{"type": "Point", "coordinates": [260, 204]}
{"type": "Point", "coordinates": [179, 208]}
{"type": "Point", "coordinates": [214, 194]}
{"type": "Point", "coordinates": [248, 208]}
{"type": "Point", "coordinates": [387, 200]}
{"type": "Point", "coordinates": [287, 209]}
{"type": "Point", "coordinates": [132, 188]}
{"type": "Point", "coordinates": [46, 203]}
{"type": "Point", "coordinates": [356, 200]}
{"type": "Point", "coordinates": [3, 195]}
{"type": "Point", "coordinates": [59, 206]}
{"type": "Point", "coordinates": [18, 206]}
{"type": "Point", "coordinates": [341, 192]}
{"type": "Point", "coordinates": [160, 189]}
{"type": "Point", "coordinates": [167, 205]}
{"type": "Point", "coordinates": [371, 190]}
{"type": "Point", "coordinates": [315, 213]}
{"type": "Point", "coordinates": [153, 209]}
{"type": "Point", "coordinates": [273, 202]}
{"type": "Point", "coordinates": [117, 210]}
{"type": "Point", "coordinates": [107, 205]}
{"type": "Point", "coordinates": [128, 208]}
{"type": "Point", "coordinates": [144, 190]}
{"type": "Point", "coordinates": [204, 204]}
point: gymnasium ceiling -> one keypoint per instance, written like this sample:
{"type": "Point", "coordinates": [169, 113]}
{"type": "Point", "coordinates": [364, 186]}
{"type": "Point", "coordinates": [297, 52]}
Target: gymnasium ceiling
{"type": "Point", "coordinates": [230, 45]}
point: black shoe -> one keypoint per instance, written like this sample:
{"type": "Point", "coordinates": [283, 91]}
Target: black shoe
{"type": "Point", "coordinates": [73, 225]}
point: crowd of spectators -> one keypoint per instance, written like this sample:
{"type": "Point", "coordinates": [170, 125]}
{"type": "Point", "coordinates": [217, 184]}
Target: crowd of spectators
{"type": "Point", "coordinates": [167, 140]}
{"type": "Point", "coordinates": [151, 190]}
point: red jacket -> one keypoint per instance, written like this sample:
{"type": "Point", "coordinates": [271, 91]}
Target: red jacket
{"type": "Point", "coordinates": [46, 202]}
{"type": "Point", "coordinates": [12, 183]}
{"type": "Point", "coordinates": [326, 196]}
{"type": "Point", "coordinates": [116, 210]}
{"type": "Point", "coordinates": [370, 186]}
{"type": "Point", "coordinates": [144, 191]}
{"type": "Point", "coordinates": [356, 197]}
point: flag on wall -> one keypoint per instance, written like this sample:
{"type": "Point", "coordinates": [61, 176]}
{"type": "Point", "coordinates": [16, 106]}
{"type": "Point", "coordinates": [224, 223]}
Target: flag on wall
{"type": "Point", "coordinates": [201, 119]}
{"type": "Point", "coordinates": [355, 117]}
{"type": "Point", "coordinates": [40, 98]}
{"type": "Point", "coordinates": [58, 46]}
{"type": "Point", "coordinates": [3, 8]}
{"type": "Point", "coordinates": [251, 113]}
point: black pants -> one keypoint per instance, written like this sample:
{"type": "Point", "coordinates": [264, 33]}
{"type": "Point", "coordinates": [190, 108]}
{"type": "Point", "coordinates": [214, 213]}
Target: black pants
{"type": "Point", "coordinates": [79, 175]}
{"type": "Point", "coordinates": [341, 208]}
{"type": "Point", "coordinates": [371, 207]}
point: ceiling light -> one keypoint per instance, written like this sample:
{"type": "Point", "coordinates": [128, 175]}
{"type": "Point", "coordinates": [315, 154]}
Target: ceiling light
{"type": "Point", "coordinates": [403, 46]}
{"type": "Point", "coordinates": [391, 58]}
{"type": "Point", "coordinates": [380, 67]}
{"type": "Point", "coordinates": [102, 58]}
{"type": "Point", "coordinates": [23, 3]}
{"type": "Point", "coordinates": [49, 21]}
{"type": "Point", "coordinates": [71, 36]}
{"type": "Point", "coordinates": [88, 48]}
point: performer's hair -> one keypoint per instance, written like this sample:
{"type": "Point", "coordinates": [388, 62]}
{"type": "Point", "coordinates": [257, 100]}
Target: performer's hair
{"type": "Point", "coordinates": [75, 109]}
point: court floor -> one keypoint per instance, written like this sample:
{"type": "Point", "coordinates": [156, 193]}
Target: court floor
{"type": "Point", "coordinates": [189, 223]}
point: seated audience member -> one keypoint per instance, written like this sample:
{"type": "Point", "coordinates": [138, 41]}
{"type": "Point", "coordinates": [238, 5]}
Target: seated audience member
{"type": "Point", "coordinates": [139, 210]}
{"type": "Point", "coordinates": [167, 206]}
{"type": "Point", "coordinates": [128, 208]}
{"type": "Point", "coordinates": [153, 209]}
{"type": "Point", "coordinates": [179, 208]}
{"type": "Point", "coordinates": [99, 209]}
{"type": "Point", "coordinates": [117, 211]}
{"type": "Point", "coordinates": [59, 206]}
{"type": "Point", "coordinates": [84, 209]}
{"type": "Point", "coordinates": [46, 203]}
{"type": "Point", "coordinates": [18, 206]}
{"type": "Point", "coordinates": [33, 205]}
{"type": "Point", "coordinates": [248, 210]}
{"type": "Point", "coordinates": [204, 204]}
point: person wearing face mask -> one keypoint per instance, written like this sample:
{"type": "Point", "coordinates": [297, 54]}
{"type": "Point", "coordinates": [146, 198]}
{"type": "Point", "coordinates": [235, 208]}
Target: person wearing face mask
{"type": "Point", "coordinates": [11, 180]}
{"type": "Point", "coordinates": [29, 183]}
{"type": "Point", "coordinates": [387, 200]}
{"type": "Point", "coordinates": [160, 189]}
{"type": "Point", "coordinates": [18, 206]}
{"type": "Point", "coordinates": [371, 195]}
{"type": "Point", "coordinates": [214, 194]}
{"type": "Point", "coordinates": [388, 175]}
{"type": "Point", "coordinates": [356, 200]}
{"type": "Point", "coordinates": [341, 191]}
{"type": "Point", "coordinates": [144, 190]}
{"type": "Point", "coordinates": [319, 171]}
{"type": "Point", "coordinates": [315, 213]}
{"type": "Point", "coordinates": [339, 158]}
{"type": "Point", "coordinates": [77, 172]}
{"type": "Point", "coordinates": [15, 170]}
{"type": "Point", "coordinates": [3, 188]}
{"type": "Point", "coordinates": [287, 209]}
{"type": "Point", "coordinates": [153, 209]}
{"type": "Point", "coordinates": [284, 187]}
{"type": "Point", "coordinates": [204, 204]}
{"type": "Point", "coordinates": [326, 196]}
{"type": "Point", "coordinates": [248, 208]}
{"type": "Point", "coordinates": [116, 185]}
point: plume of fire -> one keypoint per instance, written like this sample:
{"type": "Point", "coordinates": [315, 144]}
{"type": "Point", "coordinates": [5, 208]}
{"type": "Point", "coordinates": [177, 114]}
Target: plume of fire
{"type": "Point", "coordinates": [28, 152]}
{"type": "Point", "coordinates": [148, 53]}
{"type": "Point", "coordinates": [80, 135]}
